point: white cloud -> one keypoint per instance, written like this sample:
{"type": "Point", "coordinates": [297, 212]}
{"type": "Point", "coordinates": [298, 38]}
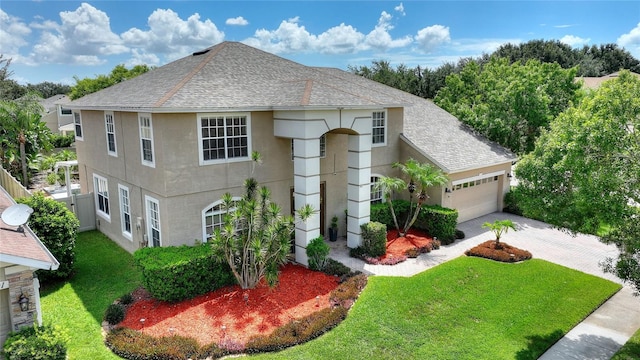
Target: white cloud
{"type": "Point", "coordinates": [400, 9]}
{"type": "Point", "coordinates": [13, 33]}
{"type": "Point", "coordinates": [142, 58]}
{"type": "Point", "coordinates": [240, 21]}
{"type": "Point", "coordinates": [431, 37]}
{"type": "Point", "coordinates": [287, 38]}
{"type": "Point", "coordinates": [380, 39]}
{"type": "Point", "coordinates": [631, 41]}
{"type": "Point", "coordinates": [83, 37]}
{"type": "Point", "coordinates": [574, 41]}
{"type": "Point", "coordinates": [563, 26]}
{"type": "Point", "coordinates": [171, 36]}
{"type": "Point", "coordinates": [340, 39]}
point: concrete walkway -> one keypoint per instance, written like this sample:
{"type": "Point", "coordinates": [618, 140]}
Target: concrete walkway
{"type": "Point", "coordinates": [599, 336]}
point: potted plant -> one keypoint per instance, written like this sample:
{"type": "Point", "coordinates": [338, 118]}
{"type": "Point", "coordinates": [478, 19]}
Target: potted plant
{"type": "Point", "coordinates": [333, 229]}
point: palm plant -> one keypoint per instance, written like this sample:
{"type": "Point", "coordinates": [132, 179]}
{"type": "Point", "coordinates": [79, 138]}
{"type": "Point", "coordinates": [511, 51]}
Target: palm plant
{"type": "Point", "coordinates": [421, 177]}
{"type": "Point", "coordinates": [499, 228]}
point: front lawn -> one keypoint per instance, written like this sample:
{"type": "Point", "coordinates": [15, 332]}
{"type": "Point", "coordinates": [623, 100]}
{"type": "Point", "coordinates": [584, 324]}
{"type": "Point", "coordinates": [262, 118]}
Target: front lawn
{"type": "Point", "coordinates": [468, 308]}
{"type": "Point", "coordinates": [104, 272]}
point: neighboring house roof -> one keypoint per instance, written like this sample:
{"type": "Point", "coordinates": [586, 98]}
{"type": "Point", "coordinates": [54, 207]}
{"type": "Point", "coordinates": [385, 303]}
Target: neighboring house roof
{"type": "Point", "coordinates": [50, 103]}
{"type": "Point", "coordinates": [22, 248]}
{"type": "Point", "coordinates": [233, 76]}
{"type": "Point", "coordinates": [595, 82]}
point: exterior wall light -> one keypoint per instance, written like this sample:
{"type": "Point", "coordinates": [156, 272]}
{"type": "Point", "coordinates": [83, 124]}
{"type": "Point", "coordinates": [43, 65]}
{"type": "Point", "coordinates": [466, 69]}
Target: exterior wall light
{"type": "Point", "coordinates": [24, 302]}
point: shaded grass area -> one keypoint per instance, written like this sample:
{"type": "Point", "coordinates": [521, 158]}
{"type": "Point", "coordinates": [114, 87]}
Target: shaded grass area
{"type": "Point", "coordinates": [103, 272]}
{"type": "Point", "coordinates": [468, 308]}
{"type": "Point", "coordinates": [630, 350]}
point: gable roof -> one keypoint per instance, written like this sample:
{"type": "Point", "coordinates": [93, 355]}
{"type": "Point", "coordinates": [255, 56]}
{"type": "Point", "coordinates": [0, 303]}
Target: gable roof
{"type": "Point", "coordinates": [50, 103]}
{"type": "Point", "coordinates": [22, 248]}
{"type": "Point", "coordinates": [234, 76]}
{"type": "Point", "coordinates": [595, 82]}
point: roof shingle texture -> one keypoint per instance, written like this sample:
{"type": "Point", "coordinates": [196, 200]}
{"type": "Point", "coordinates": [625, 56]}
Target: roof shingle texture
{"type": "Point", "coordinates": [232, 76]}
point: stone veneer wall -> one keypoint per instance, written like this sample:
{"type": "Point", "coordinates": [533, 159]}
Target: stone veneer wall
{"type": "Point", "coordinates": [21, 282]}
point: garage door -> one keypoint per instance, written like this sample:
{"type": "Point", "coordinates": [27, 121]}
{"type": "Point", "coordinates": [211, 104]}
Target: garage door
{"type": "Point", "coordinates": [475, 198]}
{"type": "Point", "coordinates": [5, 321]}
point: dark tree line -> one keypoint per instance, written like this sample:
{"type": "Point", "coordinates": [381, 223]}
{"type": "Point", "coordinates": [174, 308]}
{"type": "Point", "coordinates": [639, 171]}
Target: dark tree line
{"type": "Point", "coordinates": [591, 61]}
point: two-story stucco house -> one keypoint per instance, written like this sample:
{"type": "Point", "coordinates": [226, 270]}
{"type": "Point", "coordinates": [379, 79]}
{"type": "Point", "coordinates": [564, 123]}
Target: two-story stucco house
{"type": "Point", "coordinates": [160, 150]}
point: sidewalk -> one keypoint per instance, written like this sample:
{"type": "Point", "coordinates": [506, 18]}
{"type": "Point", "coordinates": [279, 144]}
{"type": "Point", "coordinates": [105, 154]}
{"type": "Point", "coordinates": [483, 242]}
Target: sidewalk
{"type": "Point", "coordinates": [599, 336]}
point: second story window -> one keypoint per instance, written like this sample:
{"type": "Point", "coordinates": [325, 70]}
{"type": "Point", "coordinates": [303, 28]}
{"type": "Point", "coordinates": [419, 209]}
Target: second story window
{"type": "Point", "coordinates": [379, 128]}
{"type": "Point", "coordinates": [111, 133]}
{"type": "Point", "coordinates": [146, 140]}
{"type": "Point", "coordinates": [77, 120]}
{"type": "Point", "coordinates": [224, 137]}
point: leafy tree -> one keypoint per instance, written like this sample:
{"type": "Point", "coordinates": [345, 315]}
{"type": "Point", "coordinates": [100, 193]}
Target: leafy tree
{"type": "Point", "coordinates": [57, 228]}
{"type": "Point", "coordinates": [119, 74]}
{"type": "Point", "coordinates": [421, 177]}
{"type": "Point", "coordinates": [22, 129]}
{"type": "Point", "coordinates": [48, 89]}
{"type": "Point", "coordinates": [499, 228]}
{"type": "Point", "coordinates": [584, 174]}
{"type": "Point", "coordinates": [255, 238]}
{"type": "Point", "coordinates": [509, 103]}
{"type": "Point", "coordinates": [9, 89]}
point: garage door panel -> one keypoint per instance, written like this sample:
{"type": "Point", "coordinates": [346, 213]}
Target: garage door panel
{"type": "Point", "coordinates": [475, 201]}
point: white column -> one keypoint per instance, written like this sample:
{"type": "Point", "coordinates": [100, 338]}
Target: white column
{"type": "Point", "coordinates": [306, 173]}
{"type": "Point", "coordinates": [359, 187]}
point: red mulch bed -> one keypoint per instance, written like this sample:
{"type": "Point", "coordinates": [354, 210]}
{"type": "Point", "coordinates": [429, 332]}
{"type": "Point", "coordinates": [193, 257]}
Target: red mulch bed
{"type": "Point", "coordinates": [266, 309]}
{"type": "Point", "coordinates": [399, 248]}
{"type": "Point", "coordinates": [500, 252]}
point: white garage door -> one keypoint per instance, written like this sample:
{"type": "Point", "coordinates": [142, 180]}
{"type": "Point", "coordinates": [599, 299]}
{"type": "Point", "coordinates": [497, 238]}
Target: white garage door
{"type": "Point", "coordinates": [475, 198]}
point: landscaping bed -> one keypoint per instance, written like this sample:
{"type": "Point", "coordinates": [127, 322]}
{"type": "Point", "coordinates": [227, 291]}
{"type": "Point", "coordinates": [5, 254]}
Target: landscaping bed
{"type": "Point", "coordinates": [499, 252]}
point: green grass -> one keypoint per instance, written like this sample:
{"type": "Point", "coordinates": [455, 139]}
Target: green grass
{"type": "Point", "coordinates": [630, 350]}
{"type": "Point", "coordinates": [103, 273]}
{"type": "Point", "coordinates": [468, 308]}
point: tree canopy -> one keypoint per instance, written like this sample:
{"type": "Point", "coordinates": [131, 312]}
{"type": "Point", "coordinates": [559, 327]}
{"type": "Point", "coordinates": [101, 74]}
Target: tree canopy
{"type": "Point", "coordinates": [509, 103]}
{"type": "Point", "coordinates": [119, 74]}
{"type": "Point", "coordinates": [584, 173]}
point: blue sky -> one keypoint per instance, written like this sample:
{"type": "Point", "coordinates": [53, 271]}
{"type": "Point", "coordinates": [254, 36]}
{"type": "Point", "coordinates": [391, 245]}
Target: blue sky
{"type": "Point", "coordinates": [57, 40]}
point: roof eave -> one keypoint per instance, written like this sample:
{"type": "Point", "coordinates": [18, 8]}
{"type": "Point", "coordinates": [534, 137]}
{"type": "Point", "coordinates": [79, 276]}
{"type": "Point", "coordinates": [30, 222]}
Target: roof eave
{"type": "Point", "coordinates": [173, 110]}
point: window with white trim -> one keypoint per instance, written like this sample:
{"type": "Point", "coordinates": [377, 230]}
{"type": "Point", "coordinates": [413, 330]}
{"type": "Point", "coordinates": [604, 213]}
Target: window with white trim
{"type": "Point", "coordinates": [77, 121]}
{"type": "Point", "coordinates": [65, 111]}
{"type": "Point", "coordinates": [376, 193]}
{"type": "Point", "coordinates": [213, 217]}
{"type": "Point", "coordinates": [101, 194]}
{"type": "Point", "coordinates": [153, 221]}
{"type": "Point", "coordinates": [125, 211]}
{"type": "Point", "coordinates": [379, 128]}
{"type": "Point", "coordinates": [110, 129]}
{"type": "Point", "coordinates": [146, 140]}
{"type": "Point", "coordinates": [224, 137]}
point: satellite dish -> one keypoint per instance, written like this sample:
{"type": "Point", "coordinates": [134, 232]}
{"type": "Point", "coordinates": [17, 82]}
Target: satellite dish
{"type": "Point", "coordinates": [17, 215]}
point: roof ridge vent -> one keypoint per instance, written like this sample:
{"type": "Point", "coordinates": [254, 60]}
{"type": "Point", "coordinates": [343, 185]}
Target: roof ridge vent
{"type": "Point", "coordinates": [201, 52]}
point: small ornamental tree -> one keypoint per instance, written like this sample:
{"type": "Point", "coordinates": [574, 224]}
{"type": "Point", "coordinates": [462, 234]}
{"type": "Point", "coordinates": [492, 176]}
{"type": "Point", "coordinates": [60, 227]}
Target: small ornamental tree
{"type": "Point", "coordinates": [57, 228]}
{"type": "Point", "coordinates": [499, 228]}
{"type": "Point", "coordinates": [421, 177]}
{"type": "Point", "coordinates": [255, 238]}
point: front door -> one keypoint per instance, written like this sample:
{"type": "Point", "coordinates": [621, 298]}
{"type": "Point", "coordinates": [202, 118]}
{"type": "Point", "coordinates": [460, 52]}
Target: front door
{"type": "Point", "coordinates": [322, 206]}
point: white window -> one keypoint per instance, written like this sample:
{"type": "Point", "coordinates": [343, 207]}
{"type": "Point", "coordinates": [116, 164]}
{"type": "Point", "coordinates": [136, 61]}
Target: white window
{"type": "Point", "coordinates": [376, 193]}
{"type": "Point", "coordinates": [213, 217]}
{"type": "Point", "coordinates": [153, 221]}
{"type": "Point", "coordinates": [125, 211]}
{"type": "Point", "coordinates": [224, 138]}
{"type": "Point", "coordinates": [379, 128]}
{"type": "Point", "coordinates": [146, 140]}
{"type": "Point", "coordinates": [101, 193]}
{"type": "Point", "coordinates": [77, 120]}
{"type": "Point", "coordinates": [111, 133]}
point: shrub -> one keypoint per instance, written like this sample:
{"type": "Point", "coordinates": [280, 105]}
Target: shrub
{"type": "Point", "coordinates": [126, 299]}
{"type": "Point", "coordinates": [347, 292]}
{"type": "Point", "coordinates": [438, 222]}
{"type": "Point", "coordinates": [511, 201]}
{"type": "Point", "coordinates": [36, 343]}
{"type": "Point", "coordinates": [62, 141]}
{"type": "Point", "coordinates": [134, 345]}
{"type": "Point", "coordinates": [317, 252]}
{"type": "Point", "coordinates": [459, 234]}
{"type": "Point", "coordinates": [177, 273]}
{"type": "Point", "coordinates": [336, 268]}
{"type": "Point", "coordinates": [57, 228]}
{"type": "Point", "coordinates": [374, 238]}
{"type": "Point", "coordinates": [114, 314]}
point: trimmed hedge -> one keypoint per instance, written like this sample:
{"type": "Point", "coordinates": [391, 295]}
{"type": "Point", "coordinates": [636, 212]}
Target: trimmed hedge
{"type": "Point", "coordinates": [135, 345]}
{"type": "Point", "coordinates": [436, 220]}
{"type": "Point", "coordinates": [374, 238]}
{"type": "Point", "coordinates": [36, 343]}
{"type": "Point", "coordinates": [178, 273]}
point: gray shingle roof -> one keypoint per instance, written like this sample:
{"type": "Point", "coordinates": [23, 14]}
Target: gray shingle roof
{"type": "Point", "coordinates": [232, 75]}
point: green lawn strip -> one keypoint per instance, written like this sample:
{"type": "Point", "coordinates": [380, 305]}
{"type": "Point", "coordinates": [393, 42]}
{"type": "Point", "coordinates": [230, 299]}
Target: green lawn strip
{"type": "Point", "coordinates": [468, 308]}
{"type": "Point", "coordinates": [630, 350]}
{"type": "Point", "coordinates": [103, 272]}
